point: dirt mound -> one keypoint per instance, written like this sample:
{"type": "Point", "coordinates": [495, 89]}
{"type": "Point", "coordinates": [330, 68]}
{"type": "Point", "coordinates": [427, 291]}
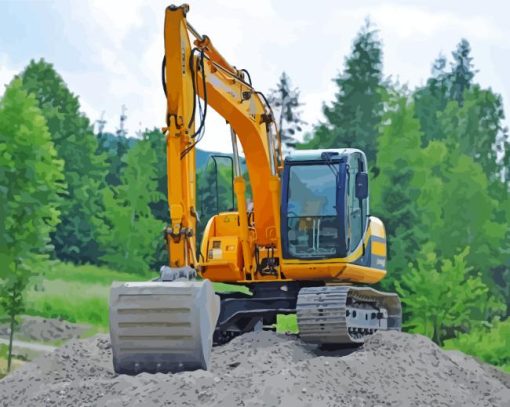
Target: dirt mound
{"type": "Point", "coordinates": [42, 329]}
{"type": "Point", "coordinates": [265, 369]}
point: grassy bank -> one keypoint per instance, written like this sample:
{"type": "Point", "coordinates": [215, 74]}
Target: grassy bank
{"type": "Point", "coordinates": [80, 293]}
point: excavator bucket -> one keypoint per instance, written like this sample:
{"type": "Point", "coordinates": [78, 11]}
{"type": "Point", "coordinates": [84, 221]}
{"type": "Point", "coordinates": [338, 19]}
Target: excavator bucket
{"type": "Point", "coordinates": [162, 326]}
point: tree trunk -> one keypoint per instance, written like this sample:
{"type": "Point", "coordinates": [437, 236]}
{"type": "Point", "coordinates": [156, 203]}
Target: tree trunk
{"type": "Point", "coordinates": [11, 336]}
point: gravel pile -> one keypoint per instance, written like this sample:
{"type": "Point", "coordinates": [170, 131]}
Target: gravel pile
{"type": "Point", "coordinates": [42, 329]}
{"type": "Point", "coordinates": [266, 369]}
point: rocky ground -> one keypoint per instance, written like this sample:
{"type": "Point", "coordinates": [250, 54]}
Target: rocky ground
{"type": "Point", "coordinates": [266, 369]}
{"type": "Point", "coordinates": [43, 329]}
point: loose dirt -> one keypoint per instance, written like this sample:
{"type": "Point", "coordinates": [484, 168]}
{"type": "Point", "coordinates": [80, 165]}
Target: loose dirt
{"type": "Point", "coordinates": [266, 369]}
{"type": "Point", "coordinates": [42, 329]}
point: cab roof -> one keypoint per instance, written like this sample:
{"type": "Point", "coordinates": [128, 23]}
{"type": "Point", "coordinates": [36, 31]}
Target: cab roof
{"type": "Point", "coordinates": [316, 155]}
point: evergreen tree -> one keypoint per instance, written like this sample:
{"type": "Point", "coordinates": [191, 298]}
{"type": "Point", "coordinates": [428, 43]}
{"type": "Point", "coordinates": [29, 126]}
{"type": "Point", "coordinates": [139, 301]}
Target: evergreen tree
{"type": "Point", "coordinates": [431, 100]}
{"type": "Point", "coordinates": [476, 128]}
{"type": "Point", "coordinates": [285, 103]}
{"type": "Point", "coordinates": [443, 87]}
{"type": "Point", "coordinates": [353, 116]}
{"type": "Point", "coordinates": [30, 182]}
{"type": "Point", "coordinates": [157, 142]}
{"type": "Point", "coordinates": [75, 238]}
{"type": "Point", "coordinates": [462, 73]}
{"type": "Point", "coordinates": [135, 238]}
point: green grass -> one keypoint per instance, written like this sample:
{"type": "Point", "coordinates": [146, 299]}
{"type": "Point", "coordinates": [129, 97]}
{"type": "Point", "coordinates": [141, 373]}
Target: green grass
{"type": "Point", "coordinates": [73, 301]}
{"type": "Point", "coordinates": [92, 274]}
{"type": "Point", "coordinates": [286, 324]}
{"type": "Point", "coordinates": [229, 288]}
{"type": "Point", "coordinates": [80, 294]}
{"type": "Point", "coordinates": [77, 293]}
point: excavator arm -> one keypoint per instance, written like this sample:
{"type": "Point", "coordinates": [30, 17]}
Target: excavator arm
{"type": "Point", "coordinates": [167, 325]}
{"type": "Point", "coordinates": [201, 71]}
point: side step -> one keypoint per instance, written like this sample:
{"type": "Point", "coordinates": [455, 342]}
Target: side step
{"type": "Point", "coordinates": [162, 326]}
{"type": "Point", "coordinates": [345, 315]}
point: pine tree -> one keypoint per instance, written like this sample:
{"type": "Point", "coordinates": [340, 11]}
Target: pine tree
{"type": "Point", "coordinates": [476, 128]}
{"type": "Point", "coordinates": [285, 103]}
{"type": "Point", "coordinates": [462, 73]}
{"type": "Point", "coordinates": [431, 100]}
{"type": "Point", "coordinates": [75, 238]}
{"type": "Point", "coordinates": [443, 87]}
{"type": "Point", "coordinates": [353, 116]}
{"type": "Point", "coordinates": [30, 182]}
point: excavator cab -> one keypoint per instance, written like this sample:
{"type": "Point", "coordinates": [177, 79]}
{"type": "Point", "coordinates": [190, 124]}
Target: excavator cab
{"type": "Point", "coordinates": [324, 203]}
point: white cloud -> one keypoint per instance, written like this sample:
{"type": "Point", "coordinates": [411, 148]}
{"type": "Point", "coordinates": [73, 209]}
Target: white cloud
{"type": "Point", "coordinates": [122, 47]}
{"type": "Point", "coordinates": [414, 22]}
{"type": "Point", "coordinates": [7, 72]}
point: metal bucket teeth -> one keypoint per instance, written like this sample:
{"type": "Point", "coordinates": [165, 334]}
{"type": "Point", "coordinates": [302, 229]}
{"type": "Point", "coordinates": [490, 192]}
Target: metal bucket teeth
{"type": "Point", "coordinates": [162, 326]}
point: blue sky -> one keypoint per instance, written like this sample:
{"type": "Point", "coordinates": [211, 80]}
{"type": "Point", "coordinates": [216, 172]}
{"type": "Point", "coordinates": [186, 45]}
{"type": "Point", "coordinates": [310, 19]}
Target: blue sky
{"type": "Point", "coordinates": [109, 52]}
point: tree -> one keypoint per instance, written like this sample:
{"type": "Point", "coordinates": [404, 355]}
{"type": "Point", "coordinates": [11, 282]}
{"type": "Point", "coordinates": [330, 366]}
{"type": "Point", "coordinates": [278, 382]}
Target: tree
{"type": "Point", "coordinates": [462, 73]}
{"type": "Point", "coordinates": [431, 100]}
{"type": "Point", "coordinates": [442, 297]}
{"type": "Point", "coordinates": [475, 127]}
{"type": "Point", "coordinates": [135, 236]}
{"type": "Point", "coordinates": [285, 102]}
{"type": "Point", "coordinates": [471, 216]}
{"type": "Point", "coordinates": [442, 87]}
{"type": "Point", "coordinates": [489, 342]}
{"type": "Point", "coordinates": [403, 177]}
{"type": "Point", "coordinates": [354, 115]}
{"type": "Point", "coordinates": [31, 180]}
{"type": "Point", "coordinates": [76, 237]}
{"type": "Point", "coordinates": [114, 148]}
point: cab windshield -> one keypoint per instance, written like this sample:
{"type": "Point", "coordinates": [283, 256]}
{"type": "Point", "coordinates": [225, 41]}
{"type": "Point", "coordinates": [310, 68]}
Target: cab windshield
{"type": "Point", "coordinates": [312, 223]}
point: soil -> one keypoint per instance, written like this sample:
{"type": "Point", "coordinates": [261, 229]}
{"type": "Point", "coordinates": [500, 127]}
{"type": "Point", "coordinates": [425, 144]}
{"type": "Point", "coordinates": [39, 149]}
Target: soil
{"type": "Point", "coordinates": [266, 369]}
{"type": "Point", "coordinates": [44, 330]}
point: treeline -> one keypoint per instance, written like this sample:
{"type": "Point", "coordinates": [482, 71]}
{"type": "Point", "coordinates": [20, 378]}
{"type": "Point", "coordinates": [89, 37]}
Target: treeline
{"type": "Point", "coordinates": [439, 161]}
{"type": "Point", "coordinates": [109, 204]}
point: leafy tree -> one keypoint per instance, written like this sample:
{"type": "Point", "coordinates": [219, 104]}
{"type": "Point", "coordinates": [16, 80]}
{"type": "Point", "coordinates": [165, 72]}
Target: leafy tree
{"type": "Point", "coordinates": [136, 235]}
{"type": "Point", "coordinates": [489, 342]}
{"type": "Point", "coordinates": [76, 237]}
{"type": "Point", "coordinates": [441, 296]}
{"type": "Point", "coordinates": [30, 182]}
{"type": "Point", "coordinates": [403, 177]}
{"type": "Point", "coordinates": [285, 102]}
{"type": "Point", "coordinates": [470, 215]}
{"type": "Point", "coordinates": [114, 148]}
{"type": "Point", "coordinates": [354, 115]}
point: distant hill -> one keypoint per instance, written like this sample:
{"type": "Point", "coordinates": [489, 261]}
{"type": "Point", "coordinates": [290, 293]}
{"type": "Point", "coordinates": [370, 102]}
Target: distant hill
{"type": "Point", "coordinates": [118, 145]}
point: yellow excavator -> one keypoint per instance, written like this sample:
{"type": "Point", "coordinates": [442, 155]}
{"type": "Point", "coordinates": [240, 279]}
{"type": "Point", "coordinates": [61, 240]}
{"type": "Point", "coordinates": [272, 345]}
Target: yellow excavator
{"type": "Point", "coordinates": [305, 246]}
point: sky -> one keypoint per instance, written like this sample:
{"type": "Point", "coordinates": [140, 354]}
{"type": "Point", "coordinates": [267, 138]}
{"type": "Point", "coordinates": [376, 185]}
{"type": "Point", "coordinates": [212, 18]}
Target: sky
{"type": "Point", "coordinates": [109, 52]}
